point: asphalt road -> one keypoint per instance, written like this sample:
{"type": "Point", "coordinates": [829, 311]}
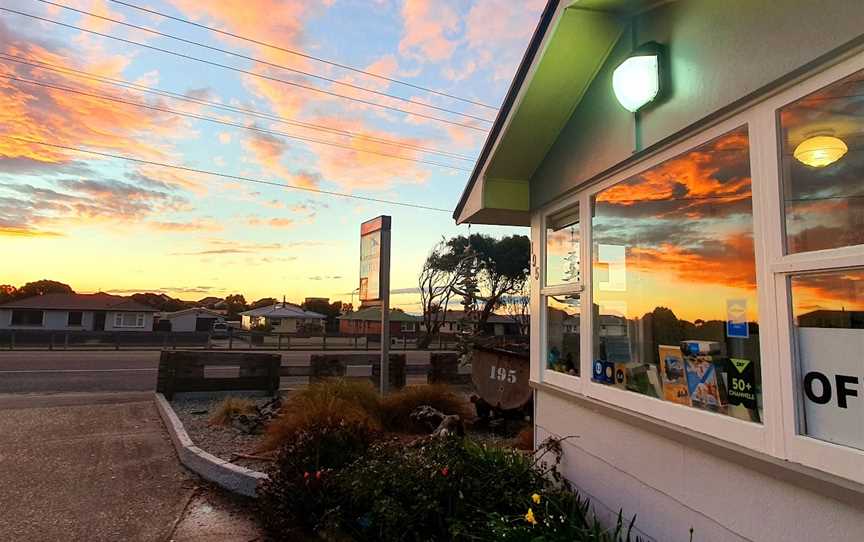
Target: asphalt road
{"type": "Point", "coordinates": [88, 371]}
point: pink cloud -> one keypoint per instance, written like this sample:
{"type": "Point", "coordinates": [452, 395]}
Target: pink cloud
{"type": "Point", "coordinates": [427, 24]}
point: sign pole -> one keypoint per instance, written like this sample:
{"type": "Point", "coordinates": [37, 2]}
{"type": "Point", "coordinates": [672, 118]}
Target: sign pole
{"type": "Point", "coordinates": [385, 309]}
{"type": "Point", "coordinates": [375, 282]}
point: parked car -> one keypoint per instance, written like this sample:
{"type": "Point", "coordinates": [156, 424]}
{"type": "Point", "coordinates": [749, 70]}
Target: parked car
{"type": "Point", "coordinates": [220, 330]}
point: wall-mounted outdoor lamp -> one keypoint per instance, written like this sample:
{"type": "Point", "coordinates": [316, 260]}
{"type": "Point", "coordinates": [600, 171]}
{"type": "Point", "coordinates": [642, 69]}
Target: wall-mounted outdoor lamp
{"type": "Point", "coordinates": [638, 80]}
{"type": "Point", "coordinates": [820, 150]}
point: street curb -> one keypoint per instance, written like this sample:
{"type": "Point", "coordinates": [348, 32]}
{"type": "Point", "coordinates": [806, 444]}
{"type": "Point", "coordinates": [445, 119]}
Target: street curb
{"type": "Point", "coordinates": [232, 477]}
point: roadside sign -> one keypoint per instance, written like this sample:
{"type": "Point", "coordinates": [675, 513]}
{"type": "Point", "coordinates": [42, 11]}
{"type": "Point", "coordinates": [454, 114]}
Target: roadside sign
{"type": "Point", "coordinates": [371, 237]}
{"type": "Point", "coordinates": [375, 281]}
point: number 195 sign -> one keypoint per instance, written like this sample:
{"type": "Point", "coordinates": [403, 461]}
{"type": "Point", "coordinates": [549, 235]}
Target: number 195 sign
{"type": "Point", "coordinates": [502, 374]}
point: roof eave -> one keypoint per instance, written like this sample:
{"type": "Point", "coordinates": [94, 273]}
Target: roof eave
{"type": "Point", "coordinates": [504, 113]}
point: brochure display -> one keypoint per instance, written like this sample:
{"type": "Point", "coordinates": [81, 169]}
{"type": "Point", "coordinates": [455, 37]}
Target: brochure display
{"type": "Point", "coordinates": [673, 375]}
{"type": "Point", "coordinates": [702, 383]}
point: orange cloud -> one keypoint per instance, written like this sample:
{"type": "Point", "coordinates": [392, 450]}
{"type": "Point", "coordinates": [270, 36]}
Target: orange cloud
{"type": "Point", "coordinates": [199, 225]}
{"type": "Point", "coordinates": [726, 262]}
{"type": "Point", "coordinates": [14, 231]}
{"type": "Point", "coordinates": [273, 222]}
{"type": "Point", "coordinates": [692, 175]}
{"type": "Point", "coordinates": [837, 291]}
{"type": "Point", "coordinates": [44, 114]}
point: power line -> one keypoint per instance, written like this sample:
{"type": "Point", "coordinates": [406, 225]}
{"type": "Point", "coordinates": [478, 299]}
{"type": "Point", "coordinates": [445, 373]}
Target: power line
{"type": "Point", "coordinates": [228, 123]}
{"type": "Point", "coordinates": [235, 109]}
{"type": "Point", "coordinates": [264, 62]}
{"type": "Point", "coordinates": [226, 175]}
{"type": "Point", "coordinates": [300, 54]}
{"type": "Point", "coordinates": [241, 70]}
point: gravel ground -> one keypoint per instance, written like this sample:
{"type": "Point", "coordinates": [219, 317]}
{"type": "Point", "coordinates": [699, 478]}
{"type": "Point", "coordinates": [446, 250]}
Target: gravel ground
{"type": "Point", "coordinates": [221, 441]}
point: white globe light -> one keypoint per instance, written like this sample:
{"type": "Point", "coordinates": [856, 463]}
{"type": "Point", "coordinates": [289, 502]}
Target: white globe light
{"type": "Point", "coordinates": [636, 81]}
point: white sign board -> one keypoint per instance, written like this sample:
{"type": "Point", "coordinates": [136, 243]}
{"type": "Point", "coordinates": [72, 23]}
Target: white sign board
{"type": "Point", "coordinates": [370, 257]}
{"type": "Point", "coordinates": [832, 371]}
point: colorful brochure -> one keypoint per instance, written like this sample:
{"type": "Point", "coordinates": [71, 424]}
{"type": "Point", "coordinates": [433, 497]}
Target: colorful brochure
{"type": "Point", "coordinates": [673, 375]}
{"type": "Point", "coordinates": [702, 383]}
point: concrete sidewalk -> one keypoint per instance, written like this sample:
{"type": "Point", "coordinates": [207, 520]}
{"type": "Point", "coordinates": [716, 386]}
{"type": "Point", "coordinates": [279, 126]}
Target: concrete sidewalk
{"type": "Point", "coordinates": [98, 471]}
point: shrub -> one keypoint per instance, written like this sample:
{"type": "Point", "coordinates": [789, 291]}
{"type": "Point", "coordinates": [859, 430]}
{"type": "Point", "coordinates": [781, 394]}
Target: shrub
{"type": "Point", "coordinates": [431, 489]}
{"type": "Point", "coordinates": [297, 494]}
{"type": "Point", "coordinates": [435, 489]}
{"type": "Point", "coordinates": [229, 408]}
{"type": "Point", "coordinates": [325, 403]}
{"type": "Point", "coordinates": [396, 408]}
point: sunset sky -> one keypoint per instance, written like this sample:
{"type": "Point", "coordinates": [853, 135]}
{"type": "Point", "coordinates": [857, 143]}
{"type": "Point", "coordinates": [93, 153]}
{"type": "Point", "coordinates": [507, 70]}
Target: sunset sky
{"type": "Point", "coordinates": [101, 223]}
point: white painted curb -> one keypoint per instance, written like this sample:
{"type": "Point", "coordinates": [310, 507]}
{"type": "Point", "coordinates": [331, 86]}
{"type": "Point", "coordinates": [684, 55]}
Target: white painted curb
{"type": "Point", "coordinates": [228, 475]}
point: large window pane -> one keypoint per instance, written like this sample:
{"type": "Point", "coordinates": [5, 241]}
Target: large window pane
{"type": "Point", "coordinates": [674, 281]}
{"type": "Point", "coordinates": [562, 334]}
{"type": "Point", "coordinates": [823, 167]}
{"type": "Point", "coordinates": [562, 248]}
{"type": "Point", "coordinates": [828, 310]}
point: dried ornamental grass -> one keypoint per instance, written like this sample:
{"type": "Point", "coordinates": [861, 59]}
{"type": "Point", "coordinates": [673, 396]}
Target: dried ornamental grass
{"type": "Point", "coordinates": [327, 403]}
{"type": "Point", "coordinates": [396, 408]}
{"type": "Point", "coordinates": [229, 408]}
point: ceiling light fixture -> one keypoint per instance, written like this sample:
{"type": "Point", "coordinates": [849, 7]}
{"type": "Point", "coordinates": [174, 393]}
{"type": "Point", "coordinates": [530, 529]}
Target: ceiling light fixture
{"type": "Point", "coordinates": [820, 151]}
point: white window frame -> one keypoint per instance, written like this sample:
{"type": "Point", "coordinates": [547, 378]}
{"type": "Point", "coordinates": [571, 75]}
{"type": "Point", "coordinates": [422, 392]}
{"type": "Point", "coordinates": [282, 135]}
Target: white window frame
{"type": "Point", "coordinates": [407, 326]}
{"type": "Point", "coordinates": [836, 459]}
{"type": "Point", "coordinates": [140, 320]}
{"type": "Point", "coordinates": [539, 317]}
{"type": "Point", "coordinates": [778, 435]}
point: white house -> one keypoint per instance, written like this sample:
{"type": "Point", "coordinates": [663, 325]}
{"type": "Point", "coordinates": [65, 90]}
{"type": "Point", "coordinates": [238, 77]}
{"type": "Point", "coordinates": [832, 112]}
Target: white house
{"type": "Point", "coordinates": [194, 319]}
{"type": "Point", "coordinates": [76, 312]}
{"type": "Point", "coordinates": [692, 174]}
{"type": "Point", "coordinates": [281, 317]}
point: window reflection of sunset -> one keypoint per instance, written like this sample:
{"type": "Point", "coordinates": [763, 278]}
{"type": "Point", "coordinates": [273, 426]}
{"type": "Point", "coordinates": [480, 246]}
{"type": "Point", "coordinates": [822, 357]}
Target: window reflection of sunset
{"type": "Point", "coordinates": [824, 206]}
{"type": "Point", "coordinates": [686, 226]}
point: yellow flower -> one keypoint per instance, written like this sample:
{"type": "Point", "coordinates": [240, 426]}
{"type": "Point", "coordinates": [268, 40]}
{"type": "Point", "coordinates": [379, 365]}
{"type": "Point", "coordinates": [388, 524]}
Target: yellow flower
{"type": "Point", "coordinates": [529, 517]}
{"type": "Point", "coordinates": [536, 498]}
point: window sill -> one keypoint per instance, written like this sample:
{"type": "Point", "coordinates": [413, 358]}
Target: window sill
{"type": "Point", "coordinates": [835, 487]}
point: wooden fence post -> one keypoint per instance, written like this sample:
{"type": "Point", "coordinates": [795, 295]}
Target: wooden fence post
{"type": "Point", "coordinates": [279, 341]}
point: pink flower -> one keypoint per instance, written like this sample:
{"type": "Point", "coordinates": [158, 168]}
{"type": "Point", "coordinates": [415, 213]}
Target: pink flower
{"type": "Point", "coordinates": [305, 475]}
{"type": "Point", "coordinates": [445, 471]}
{"type": "Point", "coordinates": [317, 474]}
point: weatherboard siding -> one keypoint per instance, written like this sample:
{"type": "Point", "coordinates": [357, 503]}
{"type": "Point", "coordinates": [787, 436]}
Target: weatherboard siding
{"type": "Point", "coordinates": [52, 320]}
{"type": "Point", "coordinates": [673, 486]}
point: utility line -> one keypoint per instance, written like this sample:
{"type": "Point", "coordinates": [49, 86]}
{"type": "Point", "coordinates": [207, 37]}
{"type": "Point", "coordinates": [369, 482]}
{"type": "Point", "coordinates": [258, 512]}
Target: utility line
{"type": "Point", "coordinates": [226, 175]}
{"type": "Point", "coordinates": [263, 62]}
{"type": "Point", "coordinates": [299, 53]}
{"type": "Point", "coordinates": [235, 109]}
{"type": "Point", "coordinates": [228, 123]}
{"type": "Point", "coordinates": [245, 72]}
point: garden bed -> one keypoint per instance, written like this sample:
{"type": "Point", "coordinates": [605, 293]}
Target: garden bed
{"type": "Point", "coordinates": [224, 441]}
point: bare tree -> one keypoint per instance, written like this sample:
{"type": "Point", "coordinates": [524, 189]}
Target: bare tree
{"type": "Point", "coordinates": [437, 282]}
